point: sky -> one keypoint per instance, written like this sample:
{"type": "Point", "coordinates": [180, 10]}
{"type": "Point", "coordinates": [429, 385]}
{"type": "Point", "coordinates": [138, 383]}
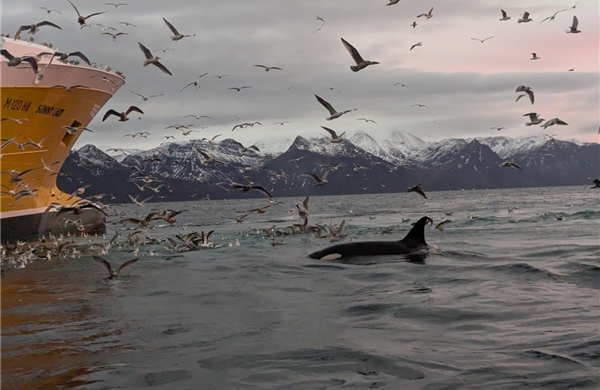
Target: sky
{"type": "Point", "coordinates": [468, 86]}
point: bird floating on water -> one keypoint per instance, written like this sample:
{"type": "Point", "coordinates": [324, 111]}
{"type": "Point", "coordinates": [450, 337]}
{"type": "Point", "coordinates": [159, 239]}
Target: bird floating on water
{"type": "Point", "coordinates": [360, 62]}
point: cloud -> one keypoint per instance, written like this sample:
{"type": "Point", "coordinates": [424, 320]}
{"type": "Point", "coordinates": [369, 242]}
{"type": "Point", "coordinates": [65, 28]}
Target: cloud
{"type": "Point", "coordinates": [469, 86]}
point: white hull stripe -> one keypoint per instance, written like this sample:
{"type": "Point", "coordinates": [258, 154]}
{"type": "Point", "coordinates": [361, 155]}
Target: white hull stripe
{"type": "Point", "coordinates": [21, 213]}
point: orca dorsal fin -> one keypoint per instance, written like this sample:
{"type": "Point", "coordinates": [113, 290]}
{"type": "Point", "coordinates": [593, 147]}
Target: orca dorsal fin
{"type": "Point", "coordinates": [416, 235]}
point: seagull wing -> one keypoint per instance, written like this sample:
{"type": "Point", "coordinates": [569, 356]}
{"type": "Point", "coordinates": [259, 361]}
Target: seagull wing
{"type": "Point", "coordinates": [6, 54]}
{"type": "Point", "coordinates": [47, 23]}
{"type": "Point", "coordinates": [133, 108]}
{"type": "Point", "coordinates": [147, 52]}
{"type": "Point", "coordinates": [109, 113]}
{"type": "Point", "coordinates": [106, 263]}
{"type": "Point", "coordinates": [331, 132]}
{"type": "Point", "coordinates": [125, 264]}
{"type": "Point", "coordinates": [530, 93]}
{"type": "Point", "coordinates": [80, 55]}
{"type": "Point", "coordinates": [326, 104]}
{"type": "Point", "coordinates": [575, 22]}
{"type": "Point", "coordinates": [504, 15]}
{"type": "Point", "coordinates": [316, 178]}
{"type": "Point", "coordinates": [171, 27]}
{"type": "Point", "coordinates": [162, 67]}
{"type": "Point", "coordinates": [353, 52]}
{"type": "Point", "coordinates": [78, 14]}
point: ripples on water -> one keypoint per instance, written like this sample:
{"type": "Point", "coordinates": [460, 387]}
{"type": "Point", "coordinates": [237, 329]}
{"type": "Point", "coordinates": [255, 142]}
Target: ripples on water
{"type": "Point", "coordinates": [507, 301]}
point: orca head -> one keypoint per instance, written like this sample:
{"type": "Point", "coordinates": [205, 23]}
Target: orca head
{"type": "Point", "coordinates": [416, 236]}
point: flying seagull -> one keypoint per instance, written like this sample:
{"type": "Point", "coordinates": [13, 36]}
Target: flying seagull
{"type": "Point", "coordinates": [238, 89]}
{"type": "Point", "coordinates": [33, 28]}
{"type": "Point", "coordinates": [554, 121]}
{"type": "Point", "coordinates": [360, 63]}
{"type": "Point", "coordinates": [527, 90]}
{"type": "Point", "coordinates": [392, 2]}
{"type": "Point", "coordinates": [334, 114]}
{"type": "Point", "coordinates": [145, 98]}
{"type": "Point", "coordinates": [81, 19]}
{"type": "Point", "coordinates": [419, 105]}
{"type": "Point", "coordinates": [504, 15]}
{"type": "Point", "coordinates": [268, 68]}
{"type": "Point", "coordinates": [525, 18]}
{"type": "Point", "coordinates": [482, 40]}
{"type": "Point", "coordinates": [534, 56]}
{"type": "Point", "coordinates": [573, 29]}
{"type": "Point", "coordinates": [533, 119]}
{"type": "Point", "coordinates": [177, 35]}
{"type": "Point", "coordinates": [415, 45]}
{"type": "Point", "coordinates": [150, 59]}
{"type": "Point", "coordinates": [428, 15]}
{"type": "Point", "coordinates": [122, 115]}
{"type": "Point", "coordinates": [113, 272]}
{"type": "Point", "coordinates": [508, 164]}
{"type": "Point", "coordinates": [14, 61]}
{"type": "Point", "coordinates": [320, 181]}
{"type": "Point", "coordinates": [418, 189]}
{"type": "Point", "coordinates": [334, 137]}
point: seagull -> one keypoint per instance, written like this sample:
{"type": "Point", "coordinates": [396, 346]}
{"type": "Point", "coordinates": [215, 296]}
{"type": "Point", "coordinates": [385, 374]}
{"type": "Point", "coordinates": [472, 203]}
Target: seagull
{"type": "Point", "coordinates": [150, 59]}
{"type": "Point", "coordinates": [33, 28]}
{"type": "Point", "coordinates": [415, 45]}
{"type": "Point", "coordinates": [360, 63]}
{"type": "Point", "coordinates": [533, 119]}
{"type": "Point", "coordinates": [15, 61]}
{"type": "Point", "coordinates": [114, 36]}
{"type": "Point", "coordinates": [334, 114]}
{"type": "Point", "coordinates": [177, 36]}
{"type": "Point", "coordinates": [194, 83]}
{"type": "Point", "coordinates": [392, 2]}
{"type": "Point", "coordinates": [504, 15]}
{"type": "Point", "coordinates": [554, 121]}
{"type": "Point", "coordinates": [420, 105]}
{"type": "Point", "coordinates": [508, 164]}
{"type": "Point", "coordinates": [482, 40]}
{"type": "Point", "coordinates": [334, 137]}
{"type": "Point", "coordinates": [573, 29]}
{"type": "Point", "coordinates": [145, 98]}
{"type": "Point", "coordinates": [413, 24]}
{"type": "Point", "coordinates": [418, 189]}
{"type": "Point", "coordinates": [527, 90]}
{"type": "Point", "coordinates": [320, 181]}
{"type": "Point", "coordinates": [198, 117]}
{"type": "Point", "coordinates": [281, 123]}
{"type": "Point", "coordinates": [248, 187]}
{"type": "Point", "coordinates": [122, 115]}
{"type": "Point", "coordinates": [428, 15]}
{"type": "Point", "coordinates": [268, 68]}
{"type": "Point", "coordinates": [525, 18]}
{"type": "Point", "coordinates": [208, 158]}
{"type": "Point", "coordinates": [114, 272]}
{"type": "Point", "coordinates": [534, 56]}
{"type": "Point", "coordinates": [497, 128]}
{"type": "Point", "coordinates": [210, 141]}
{"type": "Point", "coordinates": [366, 120]}
{"type": "Point", "coordinates": [553, 16]}
{"type": "Point", "coordinates": [64, 56]}
{"type": "Point", "coordinates": [244, 149]}
{"type": "Point", "coordinates": [440, 226]}
{"type": "Point", "coordinates": [74, 129]}
{"type": "Point", "coordinates": [81, 19]}
{"type": "Point", "coordinates": [238, 89]}
{"type": "Point", "coordinates": [48, 10]}
{"type": "Point", "coordinates": [116, 5]}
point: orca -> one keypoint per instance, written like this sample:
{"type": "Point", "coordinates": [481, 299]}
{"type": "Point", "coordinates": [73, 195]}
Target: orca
{"type": "Point", "coordinates": [413, 242]}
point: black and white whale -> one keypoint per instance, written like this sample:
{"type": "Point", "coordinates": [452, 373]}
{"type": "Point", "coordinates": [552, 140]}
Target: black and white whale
{"type": "Point", "coordinates": [413, 243]}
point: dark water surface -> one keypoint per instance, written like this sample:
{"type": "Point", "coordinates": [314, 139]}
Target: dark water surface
{"type": "Point", "coordinates": [504, 301]}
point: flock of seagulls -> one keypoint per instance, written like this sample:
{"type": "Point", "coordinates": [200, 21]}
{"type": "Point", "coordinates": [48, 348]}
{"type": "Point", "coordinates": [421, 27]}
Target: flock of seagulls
{"type": "Point", "coordinates": [198, 240]}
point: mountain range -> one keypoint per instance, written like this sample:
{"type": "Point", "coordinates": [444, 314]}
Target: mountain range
{"type": "Point", "coordinates": [359, 164]}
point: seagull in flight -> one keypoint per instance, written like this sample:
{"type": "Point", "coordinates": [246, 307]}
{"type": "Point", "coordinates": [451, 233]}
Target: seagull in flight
{"type": "Point", "coordinates": [145, 98]}
{"type": "Point", "coordinates": [151, 59]}
{"type": "Point", "coordinates": [360, 63]}
{"type": "Point", "coordinates": [334, 137]}
{"type": "Point", "coordinates": [177, 35]}
{"type": "Point", "coordinates": [332, 111]}
{"type": "Point", "coordinates": [534, 56]}
{"type": "Point", "coordinates": [573, 29]}
{"type": "Point", "coordinates": [268, 68]}
{"type": "Point", "coordinates": [81, 19]}
{"type": "Point", "coordinates": [527, 90]}
{"type": "Point", "coordinates": [113, 272]}
{"type": "Point", "coordinates": [14, 61]}
{"type": "Point", "coordinates": [238, 89]}
{"type": "Point", "coordinates": [320, 181]}
{"type": "Point", "coordinates": [554, 121]}
{"type": "Point", "coordinates": [482, 40]}
{"type": "Point", "coordinates": [534, 119]}
{"type": "Point", "coordinates": [33, 28]}
{"type": "Point", "coordinates": [418, 189]}
{"type": "Point", "coordinates": [415, 45]}
{"type": "Point", "coordinates": [508, 164]}
{"type": "Point", "coordinates": [428, 15]}
{"type": "Point", "coordinates": [525, 18]}
{"type": "Point", "coordinates": [504, 15]}
{"type": "Point", "coordinates": [419, 105]}
{"type": "Point", "coordinates": [122, 115]}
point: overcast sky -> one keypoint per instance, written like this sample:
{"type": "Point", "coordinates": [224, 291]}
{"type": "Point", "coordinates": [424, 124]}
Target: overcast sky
{"type": "Point", "coordinates": [468, 86]}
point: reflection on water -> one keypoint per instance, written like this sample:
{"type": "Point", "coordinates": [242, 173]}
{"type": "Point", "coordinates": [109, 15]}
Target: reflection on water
{"type": "Point", "coordinates": [53, 329]}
